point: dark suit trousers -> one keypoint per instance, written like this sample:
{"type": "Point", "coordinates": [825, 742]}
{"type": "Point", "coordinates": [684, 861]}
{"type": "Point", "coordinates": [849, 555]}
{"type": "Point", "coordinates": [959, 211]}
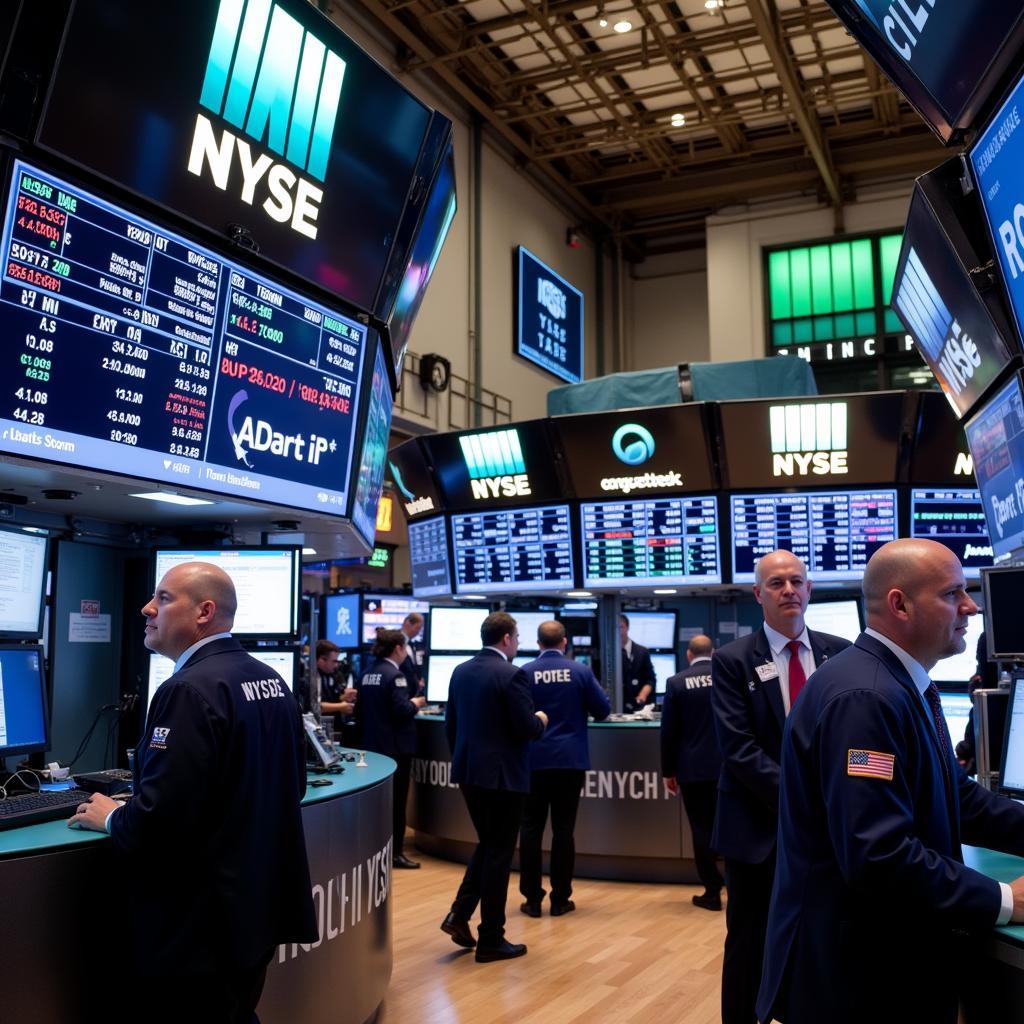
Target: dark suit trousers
{"type": "Point", "coordinates": [699, 799]}
{"type": "Point", "coordinates": [746, 918]}
{"type": "Point", "coordinates": [400, 797]}
{"type": "Point", "coordinates": [558, 789]}
{"type": "Point", "coordinates": [496, 815]}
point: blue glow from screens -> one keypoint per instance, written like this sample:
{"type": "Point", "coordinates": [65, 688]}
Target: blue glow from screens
{"type": "Point", "coordinates": [23, 722]}
{"type": "Point", "coordinates": [341, 620]}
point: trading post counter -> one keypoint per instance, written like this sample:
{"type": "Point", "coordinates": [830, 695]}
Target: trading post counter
{"type": "Point", "coordinates": [65, 931]}
{"type": "Point", "coordinates": [629, 827]}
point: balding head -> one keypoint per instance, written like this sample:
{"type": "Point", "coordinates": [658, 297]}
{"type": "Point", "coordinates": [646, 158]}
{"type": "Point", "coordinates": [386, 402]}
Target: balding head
{"type": "Point", "coordinates": [193, 600]}
{"type": "Point", "coordinates": [551, 635]}
{"type": "Point", "coordinates": [699, 646]}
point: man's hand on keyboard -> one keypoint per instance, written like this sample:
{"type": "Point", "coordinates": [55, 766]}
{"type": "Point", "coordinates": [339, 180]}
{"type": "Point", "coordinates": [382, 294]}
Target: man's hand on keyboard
{"type": "Point", "coordinates": [92, 812]}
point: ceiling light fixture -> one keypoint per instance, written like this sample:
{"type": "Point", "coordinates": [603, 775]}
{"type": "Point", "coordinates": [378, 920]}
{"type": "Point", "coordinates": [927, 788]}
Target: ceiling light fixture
{"type": "Point", "coordinates": [666, 591]}
{"type": "Point", "coordinates": [678, 120]}
{"type": "Point", "coordinates": [622, 25]}
{"type": "Point", "coordinates": [578, 593]}
{"type": "Point", "coordinates": [713, 6]}
{"type": "Point", "coordinates": [172, 499]}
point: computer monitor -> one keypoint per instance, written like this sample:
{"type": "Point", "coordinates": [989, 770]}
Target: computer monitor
{"type": "Point", "coordinates": [840, 618]}
{"type": "Point", "coordinates": [439, 675]}
{"type": "Point", "coordinates": [665, 666]}
{"type": "Point", "coordinates": [1004, 625]}
{"type": "Point", "coordinates": [455, 629]}
{"type": "Point", "coordinates": [528, 623]}
{"type": "Point", "coordinates": [956, 710]}
{"type": "Point", "coordinates": [1011, 767]}
{"type": "Point", "coordinates": [960, 667]}
{"type": "Point", "coordinates": [340, 622]}
{"type": "Point", "coordinates": [24, 722]}
{"type": "Point", "coordinates": [22, 584]}
{"type": "Point", "coordinates": [388, 611]}
{"type": "Point", "coordinates": [283, 660]}
{"type": "Point", "coordinates": [656, 630]}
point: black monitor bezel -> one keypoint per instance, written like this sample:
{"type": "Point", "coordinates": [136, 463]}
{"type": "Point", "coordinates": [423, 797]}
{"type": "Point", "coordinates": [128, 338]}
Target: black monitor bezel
{"type": "Point", "coordinates": [1016, 680]}
{"type": "Point", "coordinates": [324, 598]}
{"type": "Point", "coordinates": [32, 748]}
{"type": "Point", "coordinates": [990, 637]}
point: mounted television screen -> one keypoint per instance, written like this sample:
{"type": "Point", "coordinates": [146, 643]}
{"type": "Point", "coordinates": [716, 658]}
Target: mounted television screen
{"type": "Point", "coordinates": [1004, 624]}
{"type": "Point", "coordinates": [428, 558]}
{"type": "Point", "coordinates": [340, 622]}
{"type": "Point", "coordinates": [22, 584]}
{"type": "Point", "coordinates": [200, 374]}
{"type": "Point", "coordinates": [24, 710]}
{"type": "Point", "coordinates": [513, 550]}
{"type": "Point", "coordinates": [407, 467]}
{"type": "Point", "coordinates": [958, 669]}
{"type": "Point", "coordinates": [1011, 767]}
{"type": "Point", "coordinates": [665, 667]}
{"type": "Point", "coordinates": [266, 583]}
{"type": "Point", "coordinates": [834, 533]}
{"type": "Point", "coordinates": [263, 115]}
{"type": "Point", "coordinates": [955, 518]}
{"type": "Point", "coordinates": [439, 675]}
{"type": "Point", "coordinates": [840, 618]}
{"type": "Point", "coordinates": [376, 431]}
{"type": "Point", "coordinates": [528, 622]}
{"type": "Point", "coordinates": [651, 543]}
{"type": "Point", "coordinates": [284, 661]}
{"type": "Point", "coordinates": [388, 611]}
{"type": "Point", "coordinates": [996, 439]}
{"type": "Point", "coordinates": [655, 630]}
{"type": "Point", "coordinates": [455, 629]}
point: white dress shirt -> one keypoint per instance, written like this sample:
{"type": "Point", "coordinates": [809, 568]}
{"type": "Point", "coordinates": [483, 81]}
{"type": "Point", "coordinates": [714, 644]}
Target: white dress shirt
{"type": "Point", "coordinates": [780, 655]}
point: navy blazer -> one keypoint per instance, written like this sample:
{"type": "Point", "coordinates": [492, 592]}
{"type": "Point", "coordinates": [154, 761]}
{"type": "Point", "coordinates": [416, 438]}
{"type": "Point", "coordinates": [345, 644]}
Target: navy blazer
{"type": "Point", "coordinates": [870, 880]}
{"type": "Point", "coordinates": [412, 669]}
{"type": "Point", "coordinates": [637, 672]}
{"type": "Point", "coordinates": [489, 722]}
{"type": "Point", "coordinates": [749, 717]}
{"type": "Point", "coordinates": [217, 861]}
{"type": "Point", "coordinates": [689, 748]}
{"type": "Point", "coordinates": [386, 711]}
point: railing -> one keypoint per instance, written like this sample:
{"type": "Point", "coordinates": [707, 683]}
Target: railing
{"type": "Point", "coordinates": [460, 407]}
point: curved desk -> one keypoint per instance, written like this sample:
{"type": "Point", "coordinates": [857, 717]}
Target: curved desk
{"type": "Point", "coordinates": [65, 918]}
{"type": "Point", "coordinates": [629, 826]}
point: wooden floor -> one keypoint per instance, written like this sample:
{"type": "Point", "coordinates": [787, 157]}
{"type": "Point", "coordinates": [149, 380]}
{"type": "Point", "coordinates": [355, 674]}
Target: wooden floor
{"type": "Point", "coordinates": [630, 953]}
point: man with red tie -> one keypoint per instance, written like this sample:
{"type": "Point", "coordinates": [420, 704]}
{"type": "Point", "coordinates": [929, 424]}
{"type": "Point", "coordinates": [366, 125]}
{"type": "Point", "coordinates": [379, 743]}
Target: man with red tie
{"type": "Point", "coordinates": [756, 681]}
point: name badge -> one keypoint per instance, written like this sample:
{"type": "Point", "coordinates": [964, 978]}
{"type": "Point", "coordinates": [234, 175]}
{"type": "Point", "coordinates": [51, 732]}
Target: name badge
{"type": "Point", "coordinates": [767, 671]}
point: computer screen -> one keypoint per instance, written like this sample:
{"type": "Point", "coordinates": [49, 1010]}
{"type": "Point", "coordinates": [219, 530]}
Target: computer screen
{"type": "Point", "coordinates": [387, 611]}
{"type": "Point", "coordinates": [439, 675]}
{"type": "Point", "coordinates": [341, 620]}
{"type": "Point", "coordinates": [522, 659]}
{"type": "Point", "coordinates": [665, 666]}
{"type": "Point", "coordinates": [24, 723]}
{"type": "Point", "coordinates": [956, 710]}
{"type": "Point", "coordinates": [960, 667]}
{"type": "Point", "coordinates": [528, 623]}
{"type": "Point", "coordinates": [1011, 768]}
{"type": "Point", "coordinates": [22, 584]}
{"type": "Point", "coordinates": [1004, 624]}
{"type": "Point", "coordinates": [840, 618]}
{"type": "Point", "coordinates": [954, 517]}
{"type": "Point", "coordinates": [266, 582]}
{"type": "Point", "coordinates": [455, 629]}
{"type": "Point", "coordinates": [282, 660]}
{"type": "Point", "coordinates": [653, 629]}
{"type": "Point", "coordinates": [428, 557]}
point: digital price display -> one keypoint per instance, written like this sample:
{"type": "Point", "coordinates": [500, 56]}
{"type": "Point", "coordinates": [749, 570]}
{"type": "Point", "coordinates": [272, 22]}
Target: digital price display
{"type": "Point", "coordinates": [652, 543]}
{"type": "Point", "coordinates": [955, 518]}
{"type": "Point", "coordinates": [834, 534]}
{"type": "Point", "coordinates": [428, 557]}
{"type": "Point", "coordinates": [376, 432]}
{"type": "Point", "coordinates": [520, 549]}
{"type": "Point", "coordinates": [197, 372]}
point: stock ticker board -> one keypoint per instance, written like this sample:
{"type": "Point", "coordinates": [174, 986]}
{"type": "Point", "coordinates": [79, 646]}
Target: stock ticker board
{"type": "Point", "coordinates": [129, 349]}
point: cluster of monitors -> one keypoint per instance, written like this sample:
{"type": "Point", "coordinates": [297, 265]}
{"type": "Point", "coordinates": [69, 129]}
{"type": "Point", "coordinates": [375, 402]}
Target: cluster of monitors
{"type": "Point", "coordinates": [684, 540]}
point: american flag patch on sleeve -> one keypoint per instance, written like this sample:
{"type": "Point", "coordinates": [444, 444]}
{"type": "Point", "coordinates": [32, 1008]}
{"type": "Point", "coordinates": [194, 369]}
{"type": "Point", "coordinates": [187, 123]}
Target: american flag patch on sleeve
{"type": "Point", "coordinates": [870, 764]}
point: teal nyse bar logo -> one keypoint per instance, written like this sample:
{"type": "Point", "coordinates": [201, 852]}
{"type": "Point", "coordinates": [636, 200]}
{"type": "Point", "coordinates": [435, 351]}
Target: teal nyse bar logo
{"type": "Point", "coordinates": [277, 83]}
{"type": "Point", "coordinates": [495, 464]}
{"type": "Point", "coordinates": [808, 438]}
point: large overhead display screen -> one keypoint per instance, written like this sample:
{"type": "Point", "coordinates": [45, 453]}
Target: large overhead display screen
{"type": "Point", "coordinates": [428, 557]}
{"type": "Point", "coordinates": [651, 543]}
{"type": "Point", "coordinates": [248, 112]}
{"type": "Point", "coordinates": [198, 373]}
{"type": "Point", "coordinates": [955, 518]}
{"type": "Point", "coordinates": [833, 533]}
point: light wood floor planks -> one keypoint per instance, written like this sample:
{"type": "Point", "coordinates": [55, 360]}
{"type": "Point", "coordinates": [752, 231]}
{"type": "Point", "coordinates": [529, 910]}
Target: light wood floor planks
{"type": "Point", "coordinates": [630, 954]}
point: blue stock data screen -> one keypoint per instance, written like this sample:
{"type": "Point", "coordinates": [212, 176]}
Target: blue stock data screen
{"type": "Point", "coordinates": [129, 349]}
{"type": "Point", "coordinates": [428, 556]}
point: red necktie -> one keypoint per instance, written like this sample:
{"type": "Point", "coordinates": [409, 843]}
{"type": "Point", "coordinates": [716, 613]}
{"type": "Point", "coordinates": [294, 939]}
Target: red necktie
{"type": "Point", "coordinates": [796, 672]}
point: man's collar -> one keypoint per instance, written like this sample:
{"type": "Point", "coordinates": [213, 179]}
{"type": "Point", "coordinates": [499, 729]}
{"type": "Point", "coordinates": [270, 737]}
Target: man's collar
{"type": "Point", "coordinates": [701, 657]}
{"type": "Point", "coordinates": [777, 641]}
{"type": "Point", "coordinates": [549, 650]}
{"type": "Point", "coordinates": [915, 669]}
{"type": "Point", "coordinates": [497, 650]}
{"type": "Point", "coordinates": [186, 654]}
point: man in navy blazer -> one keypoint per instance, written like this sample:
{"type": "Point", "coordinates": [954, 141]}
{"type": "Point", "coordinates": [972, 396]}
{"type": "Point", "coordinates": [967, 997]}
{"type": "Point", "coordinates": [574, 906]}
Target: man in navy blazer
{"type": "Point", "coordinates": [871, 885]}
{"type": "Point", "coordinates": [756, 680]}
{"type": "Point", "coordinates": [490, 721]}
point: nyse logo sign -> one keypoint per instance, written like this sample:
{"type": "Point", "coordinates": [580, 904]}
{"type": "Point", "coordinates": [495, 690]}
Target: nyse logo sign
{"type": "Point", "coordinates": [495, 464]}
{"type": "Point", "coordinates": [902, 22]}
{"type": "Point", "coordinates": [808, 439]}
{"type": "Point", "coordinates": [964, 465]}
{"type": "Point", "coordinates": [271, 79]}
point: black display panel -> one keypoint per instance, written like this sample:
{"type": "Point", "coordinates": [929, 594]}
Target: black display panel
{"type": "Point", "coordinates": [955, 518]}
{"type": "Point", "coordinates": [833, 533]}
{"type": "Point", "coordinates": [1004, 624]}
{"type": "Point", "coordinates": [940, 454]}
{"type": "Point", "coordinates": [513, 465]}
{"type": "Point", "coordinates": [996, 439]}
{"type": "Point", "coordinates": [515, 550]}
{"type": "Point", "coordinates": [245, 112]}
{"type": "Point", "coordinates": [964, 338]}
{"type": "Point", "coordinates": [407, 467]}
{"type": "Point", "coordinates": [376, 433]}
{"type": "Point", "coordinates": [651, 543]}
{"type": "Point", "coordinates": [428, 557]}
{"type": "Point", "coordinates": [199, 373]}
{"type": "Point", "coordinates": [660, 450]}
{"type": "Point", "coordinates": [24, 722]}
{"type": "Point", "coordinates": [842, 441]}
{"type": "Point", "coordinates": [945, 59]}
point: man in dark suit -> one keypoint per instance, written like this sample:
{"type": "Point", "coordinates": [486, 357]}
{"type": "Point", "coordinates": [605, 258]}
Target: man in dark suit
{"type": "Point", "coordinates": [871, 885]}
{"type": "Point", "coordinates": [756, 681]}
{"type": "Point", "coordinates": [638, 677]}
{"type": "Point", "coordinates": [214, 849]}
{"type": "Point", "coordinates": [489, 722]}
{"type": "Point", "coordinates": [691, 762]}
{"type": "Point", "coordinates": [412, 664]}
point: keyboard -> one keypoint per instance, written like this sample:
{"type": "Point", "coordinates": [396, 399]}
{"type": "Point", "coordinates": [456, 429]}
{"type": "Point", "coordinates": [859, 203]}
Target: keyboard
{"type": "Point", "coordinates": [33, 808]}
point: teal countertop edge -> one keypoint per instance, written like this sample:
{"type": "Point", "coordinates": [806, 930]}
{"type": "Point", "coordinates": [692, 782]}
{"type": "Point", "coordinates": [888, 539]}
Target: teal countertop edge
{"type": "Point", "coordinates": [592, 725]}
{"type": "Point", "coordinates": [1003, 867]}
{"type": "Point", "coordinates": [53, 835]}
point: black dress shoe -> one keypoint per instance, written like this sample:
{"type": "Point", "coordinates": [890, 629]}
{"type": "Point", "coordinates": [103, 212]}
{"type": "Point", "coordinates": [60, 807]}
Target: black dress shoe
{"type": "Point", "coordinates": [459, 931]}
{"type": "Point", "coordinates": [530, 909]}
{"type": "Point", "coordinates": [708, 901]}
{"type": "Point", "coordinates": [503, 951]}
{"type": "Point", "coordinates": [558, 909]}
{"type": "Point", "coordinates": [401, 861]}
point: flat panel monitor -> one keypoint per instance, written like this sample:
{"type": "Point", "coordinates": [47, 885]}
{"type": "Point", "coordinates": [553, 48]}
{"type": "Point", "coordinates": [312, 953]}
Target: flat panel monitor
{"type": "Point", "coordinates": [407, 467]}
{"type": "Point", "coordinates": [955, 518]}
{"type": "Point", "coordinates": [840, 618]}
{"type": "Point", "coordinates": [549, 318]}
{"type": "Point", "coordinates": [523, 659]}
{"type": "Point", "coordinates": [956, 710]}
{"type": "Point", "coordinates": [958, 669]}
{"type": "Point", "coordinates": [200, 373]}
{"type": "Point", "coordinates": [284, 661]}
{"type": "Point", "coordinates": [341, 620]}
{"type": "Point", "coordinates": [996, 439]}
{"type": "Point", "coordinates": [439, 675]}
{"type": "Point", "coordinates": [1011, 768]}
{"type": "Point", "coordinates": [22, 584]}
{"type": "Point", "coordinates": [665, 666]}
{"type": "Point", "coordinates": [24, 722]}
{"type": "Point", "coordinates": [455, 629]}
{"type": "Point", "coordinates": [634, 453]}
{"type": "Point", "coordinates": [428, 557]}
{"type": "Point", "coordinates": [838, 441]}
{"type": "Point", "coordinates": [528, 623]}
{"type": "Point", "coordinates": [834, 533]}
{"type": "Point", "coordinates": [388, 611]}
{"type": "Point", "coordinates": [651, 542]}
{"type": "Point", "coordinates": [1004, 624]}
{"type": "Point", "coordinates": [265, 115]}
{"type": "Point", "coordinates": [376, 431]}
{"type": "Point", "coordinates": [656, 630]}
{"type": "Point", "coordinates": [940, 455]}
{"type": "Point", "coordinates": [266, 583]}
{"type": "Point", "coordinates": [513, 550]}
